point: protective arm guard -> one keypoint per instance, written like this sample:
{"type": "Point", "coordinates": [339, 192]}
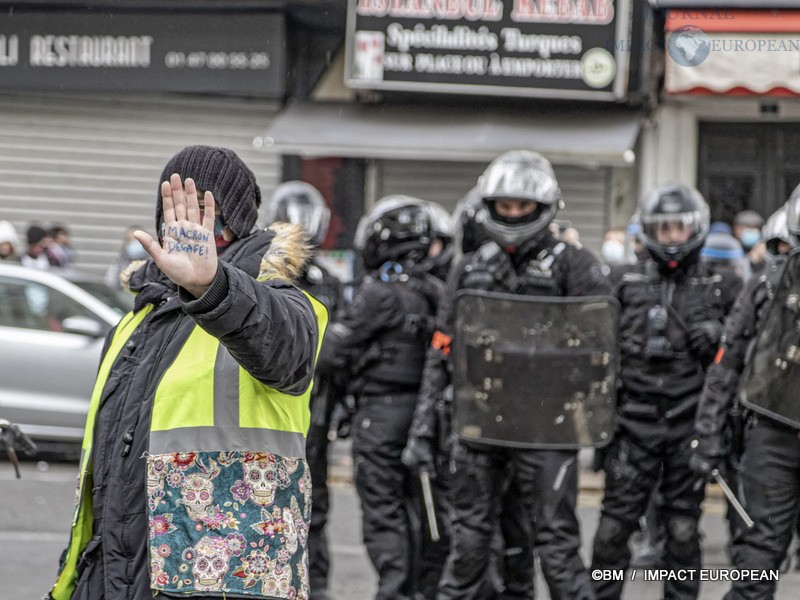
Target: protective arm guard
{"type": "Point", "coordinates": [436, 374]}
{"type": "Point", "coordinates": [723, 376]}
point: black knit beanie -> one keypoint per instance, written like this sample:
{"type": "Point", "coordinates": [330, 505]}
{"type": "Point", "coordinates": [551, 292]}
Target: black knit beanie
{"type": "Point", "coordinates": [221, 172]}
{"type": "Point", "coordinates": [36, 234]}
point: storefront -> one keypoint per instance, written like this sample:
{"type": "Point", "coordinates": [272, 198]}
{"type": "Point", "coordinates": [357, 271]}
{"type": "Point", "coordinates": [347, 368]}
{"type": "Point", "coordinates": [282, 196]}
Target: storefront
{"type": "Point", "coordinates": [425, 95]}
{"type": "Point", "coordinates": [93, 103]}
{"type": "Point", "coordinates": [729, 120]}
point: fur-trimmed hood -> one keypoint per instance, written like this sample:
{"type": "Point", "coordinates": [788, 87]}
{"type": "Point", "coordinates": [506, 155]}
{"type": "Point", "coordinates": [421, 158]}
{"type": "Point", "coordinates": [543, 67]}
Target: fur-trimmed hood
{"type": "Point", "coordinates": [286, 255]}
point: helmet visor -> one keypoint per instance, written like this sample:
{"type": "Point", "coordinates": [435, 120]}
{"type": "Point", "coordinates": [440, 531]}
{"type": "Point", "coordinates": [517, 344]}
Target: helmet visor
{"type": "Point", "coordinates": [674, 229]}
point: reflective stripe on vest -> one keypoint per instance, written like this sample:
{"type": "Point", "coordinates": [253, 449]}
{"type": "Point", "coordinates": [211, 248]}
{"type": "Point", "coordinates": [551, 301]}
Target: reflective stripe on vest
{"type": "Point", "coordinates": [82, 519]}
{"type": "Point", "coordinates": [224, 408]}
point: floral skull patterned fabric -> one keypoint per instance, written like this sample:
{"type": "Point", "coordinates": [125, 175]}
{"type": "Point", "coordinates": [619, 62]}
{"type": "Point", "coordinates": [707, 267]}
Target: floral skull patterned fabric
{"type": "Point", "coordinates": [229, 522]}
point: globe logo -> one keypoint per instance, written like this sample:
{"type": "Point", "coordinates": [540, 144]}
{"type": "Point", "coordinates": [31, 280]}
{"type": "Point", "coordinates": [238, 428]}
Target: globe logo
{"type": "Point", "coordinates": [688, 46]}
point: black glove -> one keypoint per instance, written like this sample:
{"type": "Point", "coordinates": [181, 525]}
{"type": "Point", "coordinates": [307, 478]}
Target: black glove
{"type": "Point", "coordinates": [703, 338]}
{"type": "Point", "coordinates": [342, 417]}
{"type": "Point", "coordinates": [418, 455]}
{"type": "Point", "coordinates": [599, 458]}
{"type": "Point", "coordinates": [707, 454]}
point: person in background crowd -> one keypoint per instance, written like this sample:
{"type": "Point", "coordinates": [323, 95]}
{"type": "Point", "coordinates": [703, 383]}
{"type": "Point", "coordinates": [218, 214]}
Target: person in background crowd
{"type": "Point", "coordinates": [747, 226]}
{"type": "Point", "coordinates": [671, 318]}
{"type": "Point", "coordinates": [35, 256]}
{"type": "Point", "coordinates": [381, 338]}
{"type": "Point", "coordinates": [301, 204]}
{"type": "Point", "coordinates": [201, 405]}
{"type": "Point", "coordinates": [9, 242]}
{"type": "Point", "coordinates": [131, 251]}
{"type": "Point", "coordinates": [767, 449]}
{"type": "Point", "coordinates": [60, 252]}
{"type": "Point", "coordinates": [724, 251]}
{"type": "Point", "coordinates": [612, 251]}
{"type": "Point", "coordinates": [634, 248]}
{"type": "Point", "coordinates": [721, 227]}
{"type": "Point", "coordinates": [519, 199]}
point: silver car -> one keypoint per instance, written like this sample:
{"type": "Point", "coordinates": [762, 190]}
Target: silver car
{"type": "Point", "coordinates": [52, 327]}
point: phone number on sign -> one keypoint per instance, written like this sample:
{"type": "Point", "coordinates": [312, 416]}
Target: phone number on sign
{"type": "Point", "coordinates": [687, 574]}
{"type": "Point", "coordinates": [217, 60]}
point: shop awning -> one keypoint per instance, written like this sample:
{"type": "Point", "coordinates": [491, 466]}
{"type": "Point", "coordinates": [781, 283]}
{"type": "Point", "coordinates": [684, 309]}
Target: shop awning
{"type": "Point", "coordinates": [732, 52]}
{"type": "Point", "coordinates": [589, 137]}
{"type": "Point", "coordinates": [721, 4]}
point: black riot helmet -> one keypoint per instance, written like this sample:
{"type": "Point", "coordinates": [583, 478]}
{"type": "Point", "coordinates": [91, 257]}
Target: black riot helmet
{"type": "Point", "coordinates": [674, 223]}
{"type": "Point", "coordinates": [469, 233]}
{"type": "Point", "coordinates": [775, 231]}
{"type": "Point", "coordinates": [442, 249]}
{"type": "Point", "coordinates": [518, 175]}
{"type": "Point", "coordinates": [793, 216]}
{"type": "Point", "coordinates": [302, 204]}
{"type": "Point", "coordinates": [397, 228]}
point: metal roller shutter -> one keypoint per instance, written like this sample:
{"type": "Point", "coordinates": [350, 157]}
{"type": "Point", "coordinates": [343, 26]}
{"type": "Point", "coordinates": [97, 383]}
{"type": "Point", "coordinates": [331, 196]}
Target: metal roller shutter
{"type": "Point", "coordinates": [92, 162]}
{"type": "Point", "coordinates": [587, 192]}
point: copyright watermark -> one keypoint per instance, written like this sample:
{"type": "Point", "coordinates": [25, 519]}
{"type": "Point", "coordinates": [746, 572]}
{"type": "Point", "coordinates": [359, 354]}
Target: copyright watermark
{"type": "Point", "coordinates": [686, 574]}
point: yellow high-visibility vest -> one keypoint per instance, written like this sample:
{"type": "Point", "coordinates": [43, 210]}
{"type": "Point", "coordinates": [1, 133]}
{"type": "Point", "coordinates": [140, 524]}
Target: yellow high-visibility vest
{"type": "Point", "coordinates": [195, 409]}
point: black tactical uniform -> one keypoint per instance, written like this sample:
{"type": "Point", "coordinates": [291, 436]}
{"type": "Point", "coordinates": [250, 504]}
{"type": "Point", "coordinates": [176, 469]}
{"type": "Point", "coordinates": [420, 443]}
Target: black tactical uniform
{"type": "Point", "coordinates": [301, 203]}
{"type": "Point", "coordinates": [327, 389]}
{"type": "Point", "coordinates": [672, 312]}
{"type": "Point", "coordinates": [383, 334]}
{"type": "Point", "coordinates": [769, 468]}
{"type": "Point", "coordinates": [531, 262]}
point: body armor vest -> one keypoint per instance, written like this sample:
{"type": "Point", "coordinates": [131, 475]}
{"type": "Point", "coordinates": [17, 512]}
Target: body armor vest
{"type": "Point", "coordinates": [492, 269]}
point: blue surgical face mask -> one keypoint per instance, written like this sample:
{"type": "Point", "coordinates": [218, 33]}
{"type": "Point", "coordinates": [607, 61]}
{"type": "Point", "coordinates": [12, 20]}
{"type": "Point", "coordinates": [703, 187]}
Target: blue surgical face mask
{"type": "Point", "coordinates": [750, 237]}
{"type": "Point", "coordinates": [134, 250]}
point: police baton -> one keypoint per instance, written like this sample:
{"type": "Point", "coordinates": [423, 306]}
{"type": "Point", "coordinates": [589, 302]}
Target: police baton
{"type": "Point", "coordinates": [732, 498]}
{"type": "Point", "coordinates": [430, 510]}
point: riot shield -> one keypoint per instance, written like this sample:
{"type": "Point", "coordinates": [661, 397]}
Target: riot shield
{"type": "Point", "coordinates": [534, 372]}
{"type": "Point", "coordinates": [771, 377]}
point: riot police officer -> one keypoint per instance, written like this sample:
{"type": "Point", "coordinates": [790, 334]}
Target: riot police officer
{"type": "Point", "coordinates": [769, 467]}
{"type": "Point", "coordinates": [672, 312]}
{"type": "Point", "coordinates": [442, 250]}
{"type": "Point", "coordinates": [468, 232]}
{"type": "Point", "coordinates": [519, 197]}
{"type": "Point", "coordinates": [302, 204]}
{"type": "Point", "coordinates": [383, 335]}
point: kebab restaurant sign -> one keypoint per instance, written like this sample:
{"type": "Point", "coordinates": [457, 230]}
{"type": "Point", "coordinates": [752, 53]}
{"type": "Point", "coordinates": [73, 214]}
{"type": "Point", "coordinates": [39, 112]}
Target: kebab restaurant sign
{"type": "Point", "coordinates": [545, 48]}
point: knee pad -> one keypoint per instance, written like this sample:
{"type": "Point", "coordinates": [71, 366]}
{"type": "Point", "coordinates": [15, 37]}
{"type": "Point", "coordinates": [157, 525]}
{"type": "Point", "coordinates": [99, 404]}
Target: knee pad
{"type": "Point", "coordinates": [611, 540]}
{"type": "Point", "coordinates": [683, 533]}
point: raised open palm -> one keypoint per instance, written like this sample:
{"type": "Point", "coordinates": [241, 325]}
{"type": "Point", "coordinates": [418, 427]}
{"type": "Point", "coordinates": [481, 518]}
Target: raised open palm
{"type": "Point", "coordinates": [188, 254]}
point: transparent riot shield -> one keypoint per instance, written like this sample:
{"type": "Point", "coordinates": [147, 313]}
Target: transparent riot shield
{"type": "Point", "coordinates": [771, 378]}
{"type": "Point", "coordinates": [534, 372]}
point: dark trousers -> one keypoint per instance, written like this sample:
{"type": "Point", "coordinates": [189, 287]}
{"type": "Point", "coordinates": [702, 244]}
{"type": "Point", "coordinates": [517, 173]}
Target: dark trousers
{"type": "Point", "coordinates": [643, 451]}
{"type": "Point", "coordinates": [515, 567]}
{"type": "Point", "coordinates": [770, 484]}
{"type": "Point", "coordinates": [392, 523]}
{"type": "Point", "coordinates": [547, 481]}
{"type": "Point", "coordinates": [318, 554]}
